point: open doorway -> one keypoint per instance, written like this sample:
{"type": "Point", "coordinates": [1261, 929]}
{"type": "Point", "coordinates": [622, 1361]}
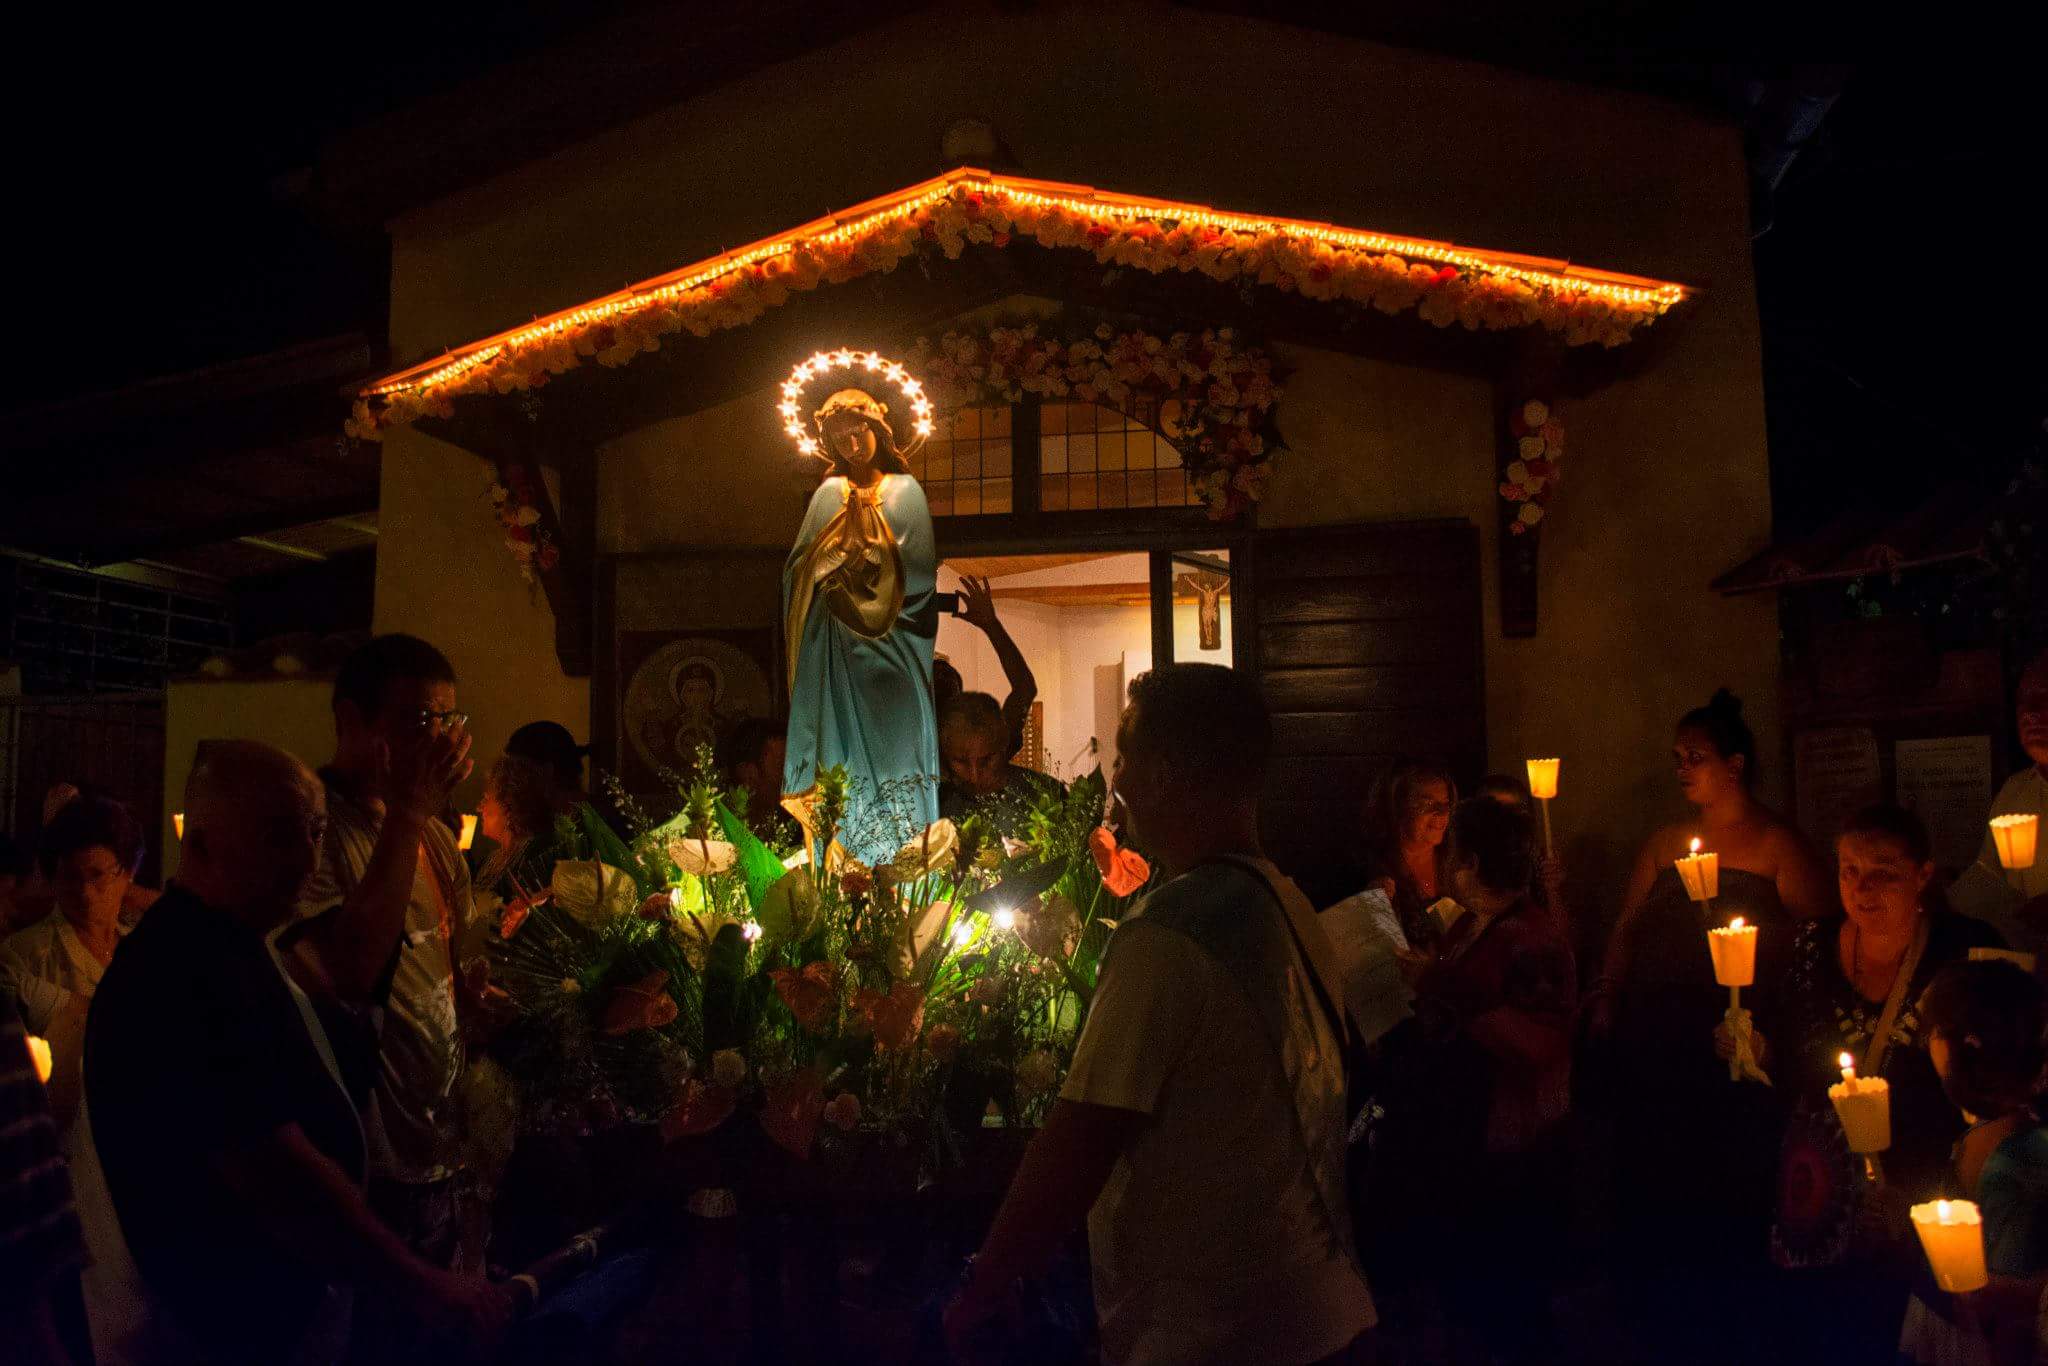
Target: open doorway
{"type": "Point", "coordinates": [1088, 623]}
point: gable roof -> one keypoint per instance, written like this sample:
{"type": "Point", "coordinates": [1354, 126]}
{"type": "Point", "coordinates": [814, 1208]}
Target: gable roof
{"type": "Point", "coordinates": [1443, 282]}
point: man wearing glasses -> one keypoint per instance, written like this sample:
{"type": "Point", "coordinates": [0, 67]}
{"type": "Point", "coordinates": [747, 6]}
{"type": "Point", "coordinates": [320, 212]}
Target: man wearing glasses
{"type": "Point", "coordinates": [380, 920]}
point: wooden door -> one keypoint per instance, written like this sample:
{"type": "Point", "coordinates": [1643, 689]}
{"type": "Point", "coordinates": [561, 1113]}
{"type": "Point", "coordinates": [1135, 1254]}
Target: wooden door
{"type": "Point", "coordinates": [1367, 639]}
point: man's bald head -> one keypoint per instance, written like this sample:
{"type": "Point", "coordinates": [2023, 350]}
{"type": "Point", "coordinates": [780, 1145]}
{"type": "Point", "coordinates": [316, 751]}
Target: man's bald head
{"type": "Point", "coordinates": [254, 817]}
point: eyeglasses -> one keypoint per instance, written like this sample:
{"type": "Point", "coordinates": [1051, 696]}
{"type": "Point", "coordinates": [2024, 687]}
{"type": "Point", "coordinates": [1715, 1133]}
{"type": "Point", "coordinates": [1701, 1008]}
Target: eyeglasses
{"type": "Point", "coordinates": [430, 720]}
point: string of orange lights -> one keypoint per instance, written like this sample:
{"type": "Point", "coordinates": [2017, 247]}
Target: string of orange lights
{"type": "Point", "coordinates": [1447, 283]}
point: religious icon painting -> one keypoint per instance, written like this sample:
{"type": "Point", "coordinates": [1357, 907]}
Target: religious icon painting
{"type": "Point", "coordinates": [685, 690]}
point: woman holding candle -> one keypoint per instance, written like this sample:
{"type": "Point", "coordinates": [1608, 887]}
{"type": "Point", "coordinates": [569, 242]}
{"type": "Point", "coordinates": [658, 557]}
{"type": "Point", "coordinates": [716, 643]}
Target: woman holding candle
{"type": "Point", "coordinates": [1653, 1014]}
{"type": "Point", "coordinates": [1850, 987]}
{"type": "Point", "coordinates": [1983, 1024]}
{"type": "Point", "coordinates": [1406, 816]}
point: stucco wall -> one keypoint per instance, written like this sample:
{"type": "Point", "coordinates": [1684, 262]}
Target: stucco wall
{"type": "Point", "coordinates": [295, 714]}
{"type": "Point", "coordinates": [1667, 480]}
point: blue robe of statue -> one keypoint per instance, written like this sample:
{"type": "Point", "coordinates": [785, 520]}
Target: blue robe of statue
{"type": "Point", "coordinates": [859, 622]}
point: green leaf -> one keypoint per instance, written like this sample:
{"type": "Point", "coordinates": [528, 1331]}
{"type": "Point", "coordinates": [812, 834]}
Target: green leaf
{"type": "Point", "coordinates": [756, 860]}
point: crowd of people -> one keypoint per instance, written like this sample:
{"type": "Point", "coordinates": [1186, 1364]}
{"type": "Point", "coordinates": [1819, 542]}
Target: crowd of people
{"type": "Point", "coordinates": [1407, 1127]}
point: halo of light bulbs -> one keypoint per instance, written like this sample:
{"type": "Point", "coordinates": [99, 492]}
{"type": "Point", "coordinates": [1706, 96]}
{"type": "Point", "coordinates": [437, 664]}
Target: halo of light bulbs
{"type": "Point", "coordinates": [824, 363]}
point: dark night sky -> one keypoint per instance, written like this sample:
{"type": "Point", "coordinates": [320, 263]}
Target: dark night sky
{"type": "Point", "coordinates": [1902, 305]}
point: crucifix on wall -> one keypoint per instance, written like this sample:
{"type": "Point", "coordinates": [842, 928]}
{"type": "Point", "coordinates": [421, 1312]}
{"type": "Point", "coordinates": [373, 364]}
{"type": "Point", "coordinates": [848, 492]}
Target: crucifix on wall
{"type": "Point", "coordinates": [1208, 589]}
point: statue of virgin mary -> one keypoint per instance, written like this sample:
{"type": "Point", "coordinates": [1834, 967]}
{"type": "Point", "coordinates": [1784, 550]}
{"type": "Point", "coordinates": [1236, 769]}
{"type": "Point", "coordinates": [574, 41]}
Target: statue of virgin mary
{"type": "Point", "coordinates": [859, 620]}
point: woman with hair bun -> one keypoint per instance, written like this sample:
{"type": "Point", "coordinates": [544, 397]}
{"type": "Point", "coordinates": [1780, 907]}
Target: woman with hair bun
{"type": "Point", "coordinates": [1696, 1153]}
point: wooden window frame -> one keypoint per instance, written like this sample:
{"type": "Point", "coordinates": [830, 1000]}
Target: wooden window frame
{"type": "Point", "coordinates": [1028, 520]}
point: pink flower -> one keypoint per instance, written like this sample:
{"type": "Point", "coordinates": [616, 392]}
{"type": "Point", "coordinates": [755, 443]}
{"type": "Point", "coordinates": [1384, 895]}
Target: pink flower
{"type": "Point", "coordinates": [842, 1112]}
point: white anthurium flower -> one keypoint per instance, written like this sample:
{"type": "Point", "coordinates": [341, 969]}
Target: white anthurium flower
{"type": "Point", "coordinates": [593, 891]}
{"type": "Point", "coordinates": [790, 908]}
{"type": "Point", "coordinates": [918, 939]}
{"type": "Point", "coordinates": [701, 857]}
{"type": "Point", "coordinates": [926, 853]}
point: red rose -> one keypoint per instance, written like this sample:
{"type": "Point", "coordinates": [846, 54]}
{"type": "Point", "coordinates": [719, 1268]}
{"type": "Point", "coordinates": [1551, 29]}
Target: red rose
{"type": "Point", "coordinates": [1444, 275]}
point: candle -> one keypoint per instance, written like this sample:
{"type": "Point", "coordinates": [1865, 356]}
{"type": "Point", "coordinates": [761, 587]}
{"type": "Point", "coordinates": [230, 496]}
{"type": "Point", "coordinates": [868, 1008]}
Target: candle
{"type": "Point", "coordinates": [1864, 1105]}
{"type": "Point", "coordinates": [468, 835]}
{"type": "Point", "coordinates": [178, 823]}
{"type": "Point", "coordinates": [1701, 874]}
{"type": "Point", "coordinates": [1734, 952]}
{"type": "Point", "coordinates": [1543, 778]}
{"type": "Point", "coordinates": [39, 1053]}
{"type": "Point", "coordinates": [1952, 1234]}
{"type": "Point", "coordinates": [2015, 837]}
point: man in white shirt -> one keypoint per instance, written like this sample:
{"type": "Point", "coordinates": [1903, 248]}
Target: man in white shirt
{"type": "Point", "coordinates": [1201, 1128]}
{"type": "Point", "coordinates": [2016, 900]}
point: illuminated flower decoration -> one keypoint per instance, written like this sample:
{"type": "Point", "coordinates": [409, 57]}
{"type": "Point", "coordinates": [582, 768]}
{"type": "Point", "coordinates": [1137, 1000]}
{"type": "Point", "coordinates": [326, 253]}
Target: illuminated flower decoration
{"type": "Point", "coordinates": [1535, 468]}
{"type": "Point", "coordinates": [860, 363]}
{"type": "Point", "coordinates": [698, 1110]}
{"type": "Point", "coordinates": [924, 854]}
{"type": "Point", "coordinates": [894, 1019]}
{"type": "Point", "coordinates": [645, 1004]}
{"type": "Point", "coordinates": [811, 992]}
{"type": "Point", "coordinates": [702, 857]}
{"type": "Point", "coordinates": [1123, 871]}
{"type": "Point", "coordinates": [592, 891]}
{"type": "Point", "coordinates": [790, 907]}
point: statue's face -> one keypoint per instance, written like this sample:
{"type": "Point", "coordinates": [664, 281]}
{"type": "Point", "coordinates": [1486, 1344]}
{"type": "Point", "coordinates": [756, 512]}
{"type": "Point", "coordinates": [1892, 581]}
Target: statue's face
{"type": "Point", "coordinates": [852, 441]}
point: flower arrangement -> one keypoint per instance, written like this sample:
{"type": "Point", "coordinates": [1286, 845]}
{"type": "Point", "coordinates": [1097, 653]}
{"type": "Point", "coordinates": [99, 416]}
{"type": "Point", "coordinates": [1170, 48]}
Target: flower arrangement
{"type": "Point", "coordinates": [1532, 477]}
{"type": "Point", "coordinates": [528, 540]}
{"type": "Point", "coordinates": [1443, 285]}
{"type": "Point", "coordinates": [1215, 394]}
{"type": "Point", "coordinates": [695, 975]}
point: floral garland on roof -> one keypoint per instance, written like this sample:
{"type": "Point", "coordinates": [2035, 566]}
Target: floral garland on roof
{"type": "Point", "coordinates": [1532, 477]}
{"type": "Point", "coordinates": [526, 536]}
{"type": "Point", "coordinates": [1289, 259]}
{"type": "Point", "coordinates": [1215, 394]}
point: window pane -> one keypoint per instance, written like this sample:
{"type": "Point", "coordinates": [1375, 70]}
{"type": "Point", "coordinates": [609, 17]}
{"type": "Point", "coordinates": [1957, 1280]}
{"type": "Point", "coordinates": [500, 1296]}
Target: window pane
{"type": "Point", "coordinates": [1165, 453]}
{"type": "Point", "coordinates": [1109, 447]}
{"type": "Point", "coordinates": [995, 496]}
{"type": "Point", "coordinates": [967, 425]}
{"type": "Point", "coordinates": [1052, 419]}
{"type": "Point", "coordinates": [1052, 493]}
{"type": "Point", "coordinates": [995, 422]}
{"type": "Point", "coordinates": [1081, 453]}
{"type": "Point", "coordinates": [966, 499]}
{"type": "Point", "coordinates": [1081, 492]}
{"type": "Point", "coordinates": [1110, 491]}
{"type": "Point", "coordinates": [1173, 488]}
{"type": "Point", "coordinates": [941, 464]}
{"type": "Point", "coordinates": [1052, 454]}
{"type": "Point", "coordinates": [1143, 489]}
{"type": "Point", "coordinates": [995, 460]}
{"type": "Point", "coordinates": [967, 464]}
{"type": "Point", "coordinates": [940, 499]}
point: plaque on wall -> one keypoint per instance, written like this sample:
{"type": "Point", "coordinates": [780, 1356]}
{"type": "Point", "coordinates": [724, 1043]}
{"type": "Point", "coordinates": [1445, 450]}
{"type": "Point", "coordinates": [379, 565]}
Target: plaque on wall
{"type": "Point", "coordinates": [686, 690]}
{"type": "Point", "coordinates": [1948, 783]}
{"type": "Point", "coordinates": [1836, 773]}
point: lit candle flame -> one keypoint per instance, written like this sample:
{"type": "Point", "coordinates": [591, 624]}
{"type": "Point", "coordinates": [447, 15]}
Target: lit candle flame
{"type": "Point", "coordinates": [1736, 923]}
{"type": "Point", "coordinates": [1695, 844]}
{"type": "Point", "coordinates": [1941, 1210]}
